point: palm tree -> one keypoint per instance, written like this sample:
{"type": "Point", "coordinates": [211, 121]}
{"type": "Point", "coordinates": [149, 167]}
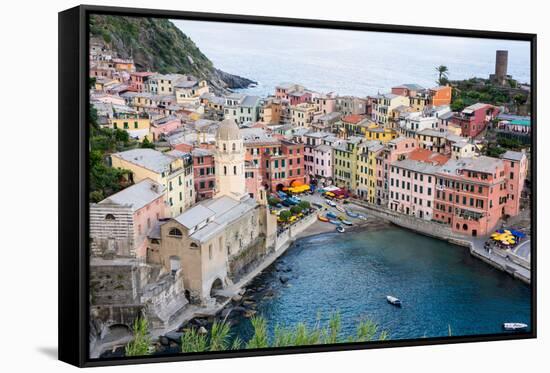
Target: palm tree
{"type": "Point", "coordinates": [443, 72]}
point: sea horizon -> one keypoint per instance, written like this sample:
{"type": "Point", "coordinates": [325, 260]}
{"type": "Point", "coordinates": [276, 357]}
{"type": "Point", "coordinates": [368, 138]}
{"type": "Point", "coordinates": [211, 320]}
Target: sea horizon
{"type": "Point", "coordinates": [347, 62]}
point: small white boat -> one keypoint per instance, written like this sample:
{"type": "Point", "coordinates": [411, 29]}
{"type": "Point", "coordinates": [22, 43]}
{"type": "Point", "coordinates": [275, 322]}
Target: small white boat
{"type": "Point", "coordinates": [362, 217]}
{"type": "Point", "coordinates": [340, 229]}
{"type": "Point", "coordinates": [393, 300]}
{"type": "Point", "coordinates": [514, 326]}
{"type": "Point", "coordinates": [340, 208]}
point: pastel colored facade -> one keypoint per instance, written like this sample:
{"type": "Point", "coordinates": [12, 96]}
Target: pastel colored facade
{"type": "Point", "coordinates": [302, 114]}
{"type": "Point", "coordinates": [463, 149]}
{"type": "Point", "coordinates": [349, 105]}
{"type": "Point", "coordinates": [138, 80]}
{"type": "Point", "coordinates": [294, 154]}
{"type": "Point", "coordinates": [441, 95]}
{"type": "Point", "coordinates": [318, 155]}
{"type": "Point", "coordinates": [345, 163]}
{"type": "Point", "coordinates": [384, 104]}
{"type": "Point", "coordinates": [204, 173]}
{"type": "Point", "coordinates": [409, 90]}
{"type": "Point", "coordinates": [382, 134]}
{"type": "Point", "coordinates": [229, 157]}
{"type": "Point", "coordinates": [242, 108]}
{"type": "Point", "coordinates": [164, 126]}
{"type": "Point", "coordinates": [137, 125]}
{"type": "Point", "coordinates": [397, 149]}
{"type": "Point", "coordinates": [124, 64]}
{"type": "Point", "coordinates": [272, 112]}
{"type": "Point", "coordinates": [188, 90]}
{"type": "Point", "coordinates": [412, 188]}
{"type": "Point", "coordinates": [299, 97]}
{"type": "Point", "coordinates": [322, 162]}
{"type": "Point", "coordinates": [120, 223]}
{"type": "Point", "coordinates": [515, 170]}
{"type": "Point", "coordinates": [282, 90]}
{"type": "Point", "coordinates": [325, 103]}
{"type": "Point", "coordinates": [276, 163]}
{"type": "Point", "coordinates": [471, 195]}
{"type": "Point", "coordinates": [367, 170]}
{"type": "Point", "coordinates": [163, 84]}
{"type": "Point", "coordinates": [174, 173]}
{"type": "Point", "coordinates": [474, 119]}
{"type": "Point", "coordinates": [414, 122]}
{"type": "Point", "coordinates": [354, 125]}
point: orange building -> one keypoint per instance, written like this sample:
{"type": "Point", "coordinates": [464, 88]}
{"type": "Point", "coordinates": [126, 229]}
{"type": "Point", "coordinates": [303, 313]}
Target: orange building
{"type": "Point", "coordinates": [441, 95]}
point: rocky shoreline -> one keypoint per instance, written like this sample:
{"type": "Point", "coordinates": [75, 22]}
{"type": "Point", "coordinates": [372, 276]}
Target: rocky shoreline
{"type": "Point", "coordinates": [244, 304]}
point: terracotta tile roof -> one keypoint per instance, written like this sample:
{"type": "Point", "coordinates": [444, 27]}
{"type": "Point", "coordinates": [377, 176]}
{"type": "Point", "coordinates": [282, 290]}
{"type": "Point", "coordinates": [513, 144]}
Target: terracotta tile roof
{"type": "Point", "coordinates": [425, 155]}
{"type": "Point", "coordinates": [353, 118]}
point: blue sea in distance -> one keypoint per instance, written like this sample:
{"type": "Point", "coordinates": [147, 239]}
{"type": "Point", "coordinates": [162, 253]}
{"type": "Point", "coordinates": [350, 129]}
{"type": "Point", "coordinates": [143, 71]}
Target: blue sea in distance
{"type": "Point", "coordinates": [441, 286]}
{"type": "Point", "coordinates": [347, 62]}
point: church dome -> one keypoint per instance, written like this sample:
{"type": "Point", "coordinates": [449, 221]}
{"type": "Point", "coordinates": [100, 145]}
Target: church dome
{"type": "Point", "coordinates": [228, 130]}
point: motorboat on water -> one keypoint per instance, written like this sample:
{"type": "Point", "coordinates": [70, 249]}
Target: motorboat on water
{"type": "Point", "coordinates": [362, 217]}
{"type": "Point", "coordinates": [346, 222]}
{"type": "Point", "coordinates": [334, 221]}
{"type": "Point", "coordinates": [514, 326]}
{"type": "Point", "coordinates": [393, 300]}
{"type": "Point", "coordinates": [340, 208]}
{"type": "Point", "coordinates": [331, 215]}
{"type": "Point", "coordinates": [340, 229]}
{"type": "Point", "coordinates": [331, 203]}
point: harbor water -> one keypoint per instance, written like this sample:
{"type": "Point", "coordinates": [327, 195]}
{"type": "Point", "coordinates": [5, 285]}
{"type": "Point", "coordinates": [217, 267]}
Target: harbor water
{"type": "Point", "coordinates": [441, 286]}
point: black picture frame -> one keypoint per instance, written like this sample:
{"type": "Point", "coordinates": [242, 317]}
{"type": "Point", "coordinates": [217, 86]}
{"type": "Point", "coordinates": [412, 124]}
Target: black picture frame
{"type": "Point", "coordinates": [73, 181]}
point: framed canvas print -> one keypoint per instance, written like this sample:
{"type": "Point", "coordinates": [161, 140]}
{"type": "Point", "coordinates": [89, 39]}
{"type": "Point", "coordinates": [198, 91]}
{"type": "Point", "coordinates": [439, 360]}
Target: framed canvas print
{"type": "Point", "coordinates": [234, 186]}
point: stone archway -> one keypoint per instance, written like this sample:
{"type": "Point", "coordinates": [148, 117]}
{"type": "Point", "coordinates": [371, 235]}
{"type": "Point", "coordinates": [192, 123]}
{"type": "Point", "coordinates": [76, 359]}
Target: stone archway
{"type": "Point", "coordinates": [217, 285]}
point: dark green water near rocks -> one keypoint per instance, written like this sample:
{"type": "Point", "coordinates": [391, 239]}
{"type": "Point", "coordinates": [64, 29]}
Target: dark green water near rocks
{"type": "Point", "coordinates": [440, 285]}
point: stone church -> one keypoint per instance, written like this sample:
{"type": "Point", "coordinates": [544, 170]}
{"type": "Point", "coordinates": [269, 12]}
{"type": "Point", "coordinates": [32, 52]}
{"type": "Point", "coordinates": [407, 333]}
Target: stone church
{"type": "Point", "coordinates": [217, 241]}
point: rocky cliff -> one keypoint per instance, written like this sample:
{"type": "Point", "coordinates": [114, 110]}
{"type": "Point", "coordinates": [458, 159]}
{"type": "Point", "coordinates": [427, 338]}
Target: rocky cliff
{"type": "Point", "coordinates": [156, 44]}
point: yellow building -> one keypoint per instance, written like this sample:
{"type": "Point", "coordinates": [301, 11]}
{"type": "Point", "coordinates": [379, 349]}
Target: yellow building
{"type": "Point", "coordinates": [188, 90]}
{"type": "Point", "coordinates": [302, 114]}
{"type": "Point", "coordinates": [137, 125]}
{"type": "Point", "coordinates": [163, 84]}
{"type": "Point", "coordinates": [174, 171]}
{"type": "Point", "coordinates": [378, 133]}
{"type": "Point", "coordinates": [366, 170]}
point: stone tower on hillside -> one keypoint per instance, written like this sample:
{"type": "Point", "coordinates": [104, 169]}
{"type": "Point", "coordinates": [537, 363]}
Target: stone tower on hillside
{"type": "Point", "coordinates": [229, 160]}
{"type": "Point", "coordinates": [501, 68]}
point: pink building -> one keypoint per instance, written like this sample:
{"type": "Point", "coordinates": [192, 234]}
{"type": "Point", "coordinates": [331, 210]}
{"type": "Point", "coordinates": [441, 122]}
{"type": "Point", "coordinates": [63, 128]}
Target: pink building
{"type": "Point", "coordinates": [471, 195]}
{"type": "Point", "coordinates": [396, 149]}
{"type": "Point", "coordinates": [412, 183]}
{"type": "Point", "coordinates": [325, 103]}
{"type": "Point", "coordinates": [138, 80]}
{"type": "Point", "coordinates": [408, 90]}
{"type": "Point", "coordinates": [282, 90]}
{"type": "Point", "coordinates": [119, 224]}
{"type": "Point", "coordinates": [164, 126]}
{"type": "Point", "coordinates": [515, 171]}
{"type": "Point", "coordinates": [299, 97]}
{"type": "Point", "coordinates": [204, 175]}
{"type": "Point", "coordinates": [311, 141]}
{"type": "Point", "coordinates": [474, 118]}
